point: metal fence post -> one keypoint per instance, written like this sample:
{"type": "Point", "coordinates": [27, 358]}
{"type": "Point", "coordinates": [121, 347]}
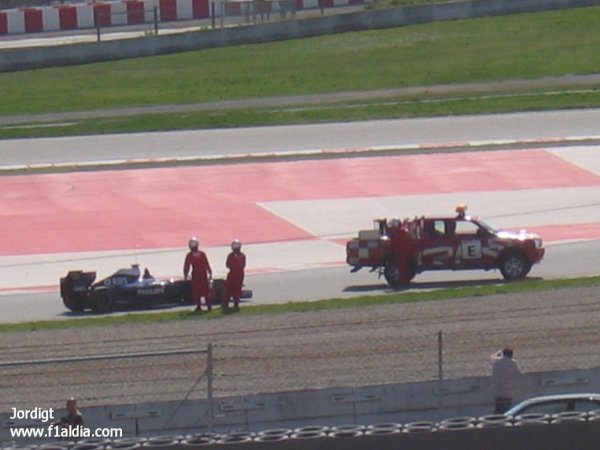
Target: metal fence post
{"type": "Point", "coordinates": [209, 386]}
{"type": "Point", "coordinates": [156, 20]}
{"type": "Point", "coordinates": [440, 373]}
{"type": "Point", "coordinates": [97, 23]}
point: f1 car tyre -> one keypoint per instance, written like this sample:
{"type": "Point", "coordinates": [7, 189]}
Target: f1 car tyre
{"type": "Point", "coordinates": [392, 274]}
{"type": "Point", "coordinates": [514, 266]}
{"type": "Point", "coordinates": [74, 302]}
{"type": "Point", "coordinates": [102, 301]}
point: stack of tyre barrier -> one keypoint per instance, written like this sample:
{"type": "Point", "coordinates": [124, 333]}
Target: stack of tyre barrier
{"type": "Point", "coordinates": [576, 430]}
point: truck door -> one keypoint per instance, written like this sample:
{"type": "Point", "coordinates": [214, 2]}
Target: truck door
{"type": "Point", "coordinates": [470, 240]}
{"type": "Point", "coordinates": [437, 250]}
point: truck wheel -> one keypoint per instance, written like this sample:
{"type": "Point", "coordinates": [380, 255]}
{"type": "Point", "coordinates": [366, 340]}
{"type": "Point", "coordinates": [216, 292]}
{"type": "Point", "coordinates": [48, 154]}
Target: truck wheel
{"type": "Point", "coordinates": [73, 302]}
{"type": "Point", "coordinates": [514, 266]}
{"type": "Point", "coordinates": [102, 302]}
{"type": "Point", "coordinates": [392, 274]}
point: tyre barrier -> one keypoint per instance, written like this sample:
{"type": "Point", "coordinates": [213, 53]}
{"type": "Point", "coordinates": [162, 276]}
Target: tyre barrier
{"type": "Point", "coordinates": [569, 416]}
{"type": "Point", "coordinates": [385, 426]}
{"type": "Point", "coordinates": [594, 413]}
{"type": "Point", "coordinates": [124, 446]}
{"type": "Point", "coordinates": [94, 441]}
{"type": "Point", "coordinates": [309, 428]}
{"type": "Point", "coordinates": [21, 447]}
{"type": "Point", "coordinates": [452, 426]}
{"type": "Point", "coordinates": [227, 439]}
{"type": "Point", "coordinates": [52, 447]}
{"type": "Point", "coordinates": [276, 436]}
{"type": "Point", "coordinates": [89, 446]}
{"type": "Point", "coordinates": [419, 427]}
{"type": "Point", "coordinates": [383, 431]}
{"type": "Point", "coordinates": [526, 423]}
{"type": "Point", "coordinates": [197, 442]}
{"type": "Point", "coordinates": [159, 442]}
{"type": "Point", "coordinates": [271, 438]}
{"type": "Point", "coordinates": [57, 445]}
{"type": "Point", "coordinates": [532, 416]}
{"type": "Point", "coordinates": [308, 435]}
{"type": "Point", "coordinates": [494, 420]}
{"type": "Point", "coordinates": [239, 434]}
{"type": "Point", "coordinates": [360, 428]}
{"type": "Point", "coordinates": [128, 443]}
{"type": "Point", "coordinates": [345, 434]}
{"type": "Point", "coordinates": [206, 434]}
{"type": "Point", "coordinates": [62, 444]}
{"type": "Point", "coordinates": [276, 432]}
{"type": "Point", "coordinates": [165, 438]}
{"type": "Point", "coordinates": [458, 420]}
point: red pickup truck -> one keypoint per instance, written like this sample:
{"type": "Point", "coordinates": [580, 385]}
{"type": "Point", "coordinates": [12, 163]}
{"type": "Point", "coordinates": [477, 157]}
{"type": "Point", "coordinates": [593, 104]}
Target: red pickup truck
{"type": "Point", "coordinates": [461, 242]}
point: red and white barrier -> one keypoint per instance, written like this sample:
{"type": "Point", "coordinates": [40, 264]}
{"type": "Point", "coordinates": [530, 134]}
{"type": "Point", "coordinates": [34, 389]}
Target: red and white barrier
{"type": "Point", "coordinates": [125, 12]}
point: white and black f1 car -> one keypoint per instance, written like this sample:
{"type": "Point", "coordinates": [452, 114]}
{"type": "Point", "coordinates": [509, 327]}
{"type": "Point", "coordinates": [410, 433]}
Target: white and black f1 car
{"type": "Point", "coordinates": [125, 288]}
{"type": "Point", "coordinates": [129, 288]}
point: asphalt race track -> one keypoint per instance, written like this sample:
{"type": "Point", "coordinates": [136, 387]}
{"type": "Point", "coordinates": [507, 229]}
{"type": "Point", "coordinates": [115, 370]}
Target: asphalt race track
{"type": "Point", "coordinates": [562, 261]}
{"type": "Point", "coordinates": [536, 125]}
{"type": "Point", "coordinates": [293, 216]}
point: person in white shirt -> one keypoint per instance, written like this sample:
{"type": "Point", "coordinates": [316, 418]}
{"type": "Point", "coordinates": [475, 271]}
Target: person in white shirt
{"type": "Point", "coordinates": [505, 370]}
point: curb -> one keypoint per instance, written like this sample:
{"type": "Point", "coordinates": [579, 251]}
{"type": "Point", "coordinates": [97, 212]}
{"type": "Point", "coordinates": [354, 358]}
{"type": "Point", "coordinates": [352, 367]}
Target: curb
{"type": "Point", "coordinates": [299, 154]}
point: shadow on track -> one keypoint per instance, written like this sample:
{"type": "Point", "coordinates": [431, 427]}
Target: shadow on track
{"type": "Point", "coordinates": [428, 285]}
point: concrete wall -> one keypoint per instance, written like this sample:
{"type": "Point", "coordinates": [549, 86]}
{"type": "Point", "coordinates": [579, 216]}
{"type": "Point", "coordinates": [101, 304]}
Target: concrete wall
{"type": "Point", "coordinates": [399, 403]}
{"type": "Point", "coordinates": [12, 60]}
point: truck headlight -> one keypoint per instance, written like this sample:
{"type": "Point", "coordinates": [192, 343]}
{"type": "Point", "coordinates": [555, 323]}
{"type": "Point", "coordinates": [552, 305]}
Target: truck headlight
{"type": "Point", "coordinates": [537, 243]}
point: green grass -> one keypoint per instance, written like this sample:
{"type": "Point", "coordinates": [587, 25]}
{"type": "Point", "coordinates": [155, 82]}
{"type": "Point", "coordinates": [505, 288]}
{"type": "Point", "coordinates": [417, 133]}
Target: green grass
{"type": "Point", "coordinates": [496, 48]}
{"type": "Point", "coordinates": [368, 110]}
{"type": "Point", "coordinates": [322, 305]}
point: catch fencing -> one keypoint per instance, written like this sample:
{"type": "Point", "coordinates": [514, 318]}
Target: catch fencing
{"type": "Point", "coordinates": [301, 354]}
{"type": "Point", "coordinates": [105, 379]}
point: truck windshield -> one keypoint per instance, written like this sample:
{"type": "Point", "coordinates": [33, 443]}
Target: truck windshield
{"type": "Point", "coordinates": [488, 228]}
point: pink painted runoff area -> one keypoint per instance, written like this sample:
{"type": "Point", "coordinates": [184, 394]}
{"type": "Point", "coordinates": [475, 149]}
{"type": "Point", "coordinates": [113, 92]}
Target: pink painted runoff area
{"type": "Point", "coordinates": [161, 208]}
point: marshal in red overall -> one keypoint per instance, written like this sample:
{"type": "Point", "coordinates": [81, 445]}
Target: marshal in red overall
{"type": "Point", "coordinates": [399, 250]}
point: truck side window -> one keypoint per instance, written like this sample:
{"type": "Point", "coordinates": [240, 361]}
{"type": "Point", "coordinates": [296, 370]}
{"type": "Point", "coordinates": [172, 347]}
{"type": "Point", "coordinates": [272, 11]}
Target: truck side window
{"type": "Point", "coordinates": [464, 227]}
{"type": "Point", "coordinates": [436, 228]}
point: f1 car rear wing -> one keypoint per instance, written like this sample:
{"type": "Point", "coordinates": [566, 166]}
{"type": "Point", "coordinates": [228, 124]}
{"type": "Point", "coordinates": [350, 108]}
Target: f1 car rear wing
{"type": "Point", "coordinates": [76, 281]}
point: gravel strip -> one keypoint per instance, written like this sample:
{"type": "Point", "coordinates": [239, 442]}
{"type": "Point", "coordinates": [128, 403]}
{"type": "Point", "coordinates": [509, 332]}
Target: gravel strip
{"type": "Point", "coordinates": [551, 330]}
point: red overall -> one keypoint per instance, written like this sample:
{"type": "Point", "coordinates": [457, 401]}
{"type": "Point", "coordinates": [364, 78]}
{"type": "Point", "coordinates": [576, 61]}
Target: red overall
{"type": "Point", "coordinates": [236, 262]}
{"type": "Point", "coordinates": [196, 259]}
{"type": "Point", "coordinates": [402, 245]}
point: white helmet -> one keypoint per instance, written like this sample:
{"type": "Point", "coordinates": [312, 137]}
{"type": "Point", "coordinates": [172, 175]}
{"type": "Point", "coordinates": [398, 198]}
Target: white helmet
{"type": "Point", "coordinates": [193, 243]}
{"type": "Point", "coordinates": [236, 245]}
{"type": "Point", "coordinates": [395, 222]}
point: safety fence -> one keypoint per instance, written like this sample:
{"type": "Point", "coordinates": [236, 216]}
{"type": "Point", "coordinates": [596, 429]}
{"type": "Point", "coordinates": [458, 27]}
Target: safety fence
{"type": "Point", "coordinates": [255, 10]}
{"type": "Point", "coordinates": [105, 379]}
{"type": "Point", "coordinates": [353, 348]}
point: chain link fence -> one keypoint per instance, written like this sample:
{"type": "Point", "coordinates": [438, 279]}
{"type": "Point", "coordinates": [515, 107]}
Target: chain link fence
{"type": "Point", "coordinates": [107, 379]}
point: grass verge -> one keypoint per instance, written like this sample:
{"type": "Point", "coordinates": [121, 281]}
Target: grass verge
{"type": "Point", "coordinates": [388, 108]}
{"type": "Point", "coordinates": [321, 305]}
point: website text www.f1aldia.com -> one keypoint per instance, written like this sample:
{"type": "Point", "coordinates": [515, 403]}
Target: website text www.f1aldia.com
{"type": "Point", "coordinates": [53, 431]}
